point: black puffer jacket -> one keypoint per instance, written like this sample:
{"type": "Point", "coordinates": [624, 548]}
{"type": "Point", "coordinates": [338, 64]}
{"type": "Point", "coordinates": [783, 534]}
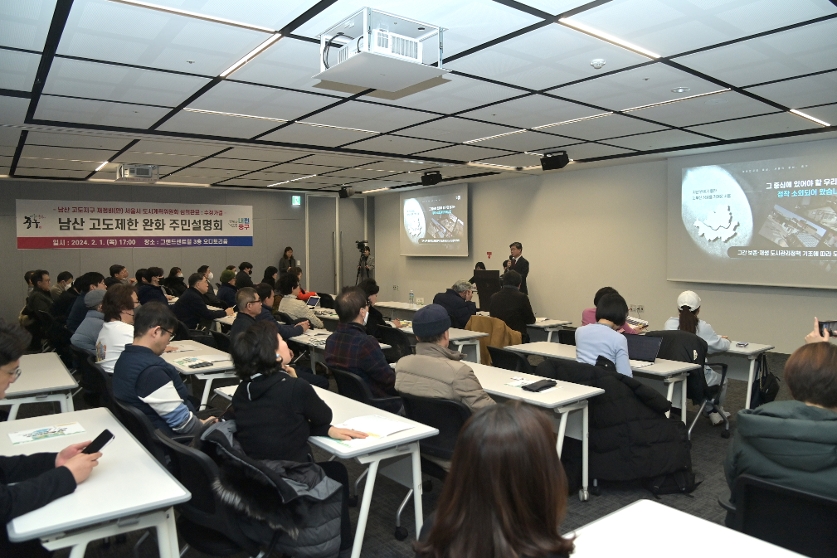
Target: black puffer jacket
{"type": "Point", "coordinates": [630, 436]}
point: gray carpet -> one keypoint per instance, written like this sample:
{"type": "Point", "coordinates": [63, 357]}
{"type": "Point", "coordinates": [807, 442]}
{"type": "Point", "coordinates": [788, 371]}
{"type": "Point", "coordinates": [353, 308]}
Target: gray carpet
{"type": "Point", "coordinates": [708, 453]}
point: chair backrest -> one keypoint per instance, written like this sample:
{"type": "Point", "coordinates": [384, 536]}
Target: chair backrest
{"type": "Point", "coordinates": [222, 341]}
{"type": "Point", "coordinates": [90, 379]}
{"type": "Point", "coordinates": [396, 339]}
{"type": "Point", "coordinates": [351, 385]}
{"type": "Point", "coordinates": [794, 519]}
{"type": "Point", "coordinates": [283, 317]}
{"type": "Point", "coordinates": [202, 337]}
{"type": "Point", "coordinates": [501, 358]}
{"type": "Point", "coordinates": [326, 300]}
{"type": "Point", "coordinates": [103, 381]}
{"type": "Point", "coordinates": [566, 336]}
{"type": "Point", "coordinates": [140, 426]}
{"type": "Point", "coordinates": [499, 334]}
{"type": "Point", "coordinates": [182, 332]}
{"type": "Point", "coordinates": [683, 346]}
{"type": "Point", "coordinates": [445, 415]}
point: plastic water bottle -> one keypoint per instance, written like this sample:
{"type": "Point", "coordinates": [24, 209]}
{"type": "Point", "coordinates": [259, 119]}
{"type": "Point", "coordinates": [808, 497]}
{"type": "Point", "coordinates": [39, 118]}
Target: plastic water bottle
{"type": "Point", "coordinates": [412, 298]}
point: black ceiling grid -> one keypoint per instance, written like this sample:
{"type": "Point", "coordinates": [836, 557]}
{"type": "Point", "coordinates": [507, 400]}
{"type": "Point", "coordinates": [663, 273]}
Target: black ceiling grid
{"type": "Point", "coordinates": [18, 150]}
{"type": "Point", "coordinates": [780, 80]}
{"type": "Point", "coordinates": [131, 144]}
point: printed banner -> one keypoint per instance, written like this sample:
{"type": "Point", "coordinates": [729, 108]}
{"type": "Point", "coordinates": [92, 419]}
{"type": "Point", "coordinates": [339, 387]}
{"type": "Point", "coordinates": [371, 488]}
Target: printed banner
{"type": "Point", "coordinates": [51, 224]}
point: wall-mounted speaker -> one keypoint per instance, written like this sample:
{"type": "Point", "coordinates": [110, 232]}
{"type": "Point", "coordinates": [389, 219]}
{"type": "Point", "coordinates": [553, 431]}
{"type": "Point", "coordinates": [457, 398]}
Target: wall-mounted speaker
{"type": "Point", "coordinates": [554, 161]}
{"type": "Point", "coordinates": [346, 192]}
{"type": "Point", "coordinates": [431, 178]}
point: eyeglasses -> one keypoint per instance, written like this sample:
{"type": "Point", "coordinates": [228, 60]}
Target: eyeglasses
{"type": "Point", "coordinates": [171, 333]}
{"type": "Point", "coordinates": [257, 301]}
{"type": "Point", "coordinates": [15, 374]}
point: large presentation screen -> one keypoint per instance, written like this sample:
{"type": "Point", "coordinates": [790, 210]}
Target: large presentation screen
{"type": "Point", "coordinates": [434, 222]}
{"type": "Point", "coordinates": [758, 217]}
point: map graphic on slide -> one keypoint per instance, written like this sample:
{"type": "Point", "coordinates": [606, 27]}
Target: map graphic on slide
{"type": "Point", "coordinates": [718, 224]}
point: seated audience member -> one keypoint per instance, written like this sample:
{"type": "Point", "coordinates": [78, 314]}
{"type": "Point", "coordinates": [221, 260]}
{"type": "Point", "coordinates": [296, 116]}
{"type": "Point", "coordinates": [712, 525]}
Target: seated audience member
{"type": "Point", "coordinates": [63, 282]}
{"type": "Point", "coordinates": [40, 299]}
{"type": "Point", "coordinates": [61, 307]}
{"type": "Point", "coordinates": [118, 307]}
{"type": "Point", "coordinates": [242, 278]}
{"type": "Point", "coordinates": [511, 305]}
{"type": "Point", "coordinates": [792, 443]}
{"type": "Point", "coordinates": [287, 262]}
{"type": "Point", "coordinates": [435, 370]}
{"type": "Point", "coordinates": [601, 339]}
{"type": "Point", "coordinates": [457, 302]}
{"type": "Point", "coordinates": [478, 266]}
{"type": "Point", "coordinates": [88, 330]}
{"type": "Point", "coordinates": [226, 292]}
{"type": "Point", "coordinates": [142, 379]}
{"type": "Point", "coordinates": [376, 319]}
{"type": "Point", "coordinates": [588, 315]}
{"type": "Point", "coordinates": [287, 331]}
{"type": "Point", "coordinates": [232, 268]}
{"type": "Point", "coordinates": [350, 348]}
{"type": "Point", "coordinates": [29, 482]}
{"type": "Point", "coordinates": [209, 296]}
{"type": "Point", "coordinates": [506, 493]}
{"type": "Point", "coordinates": [275, 412]}
{"type": "Point", "coordinates": [271, 274]}
{"type": "Point", "coordinates": [118, 274]}
{"type": "Point", "coordinates": [27, 277]}
{"type": "Point", "coordinates": [291, 305]}
{"type": "Point", "coordinates": [174, 282]}
{"type": "Point", "coordinates": [249, 305]}
{"type": "Point", "coordinates": [190, 307]}
{"type": "Point", "coordinates": [688, 304]}
{"type": "Point", "coordinates": [149, 289]}
{"type": "Point", "coordinates": [303, 294]}
{"type": "Point", "coordinates": [94, 281]}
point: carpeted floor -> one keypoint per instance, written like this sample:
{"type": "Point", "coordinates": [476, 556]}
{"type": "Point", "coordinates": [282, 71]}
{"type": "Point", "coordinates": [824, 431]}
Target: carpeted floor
{"type": "Point", "coordinates": [708, 454]}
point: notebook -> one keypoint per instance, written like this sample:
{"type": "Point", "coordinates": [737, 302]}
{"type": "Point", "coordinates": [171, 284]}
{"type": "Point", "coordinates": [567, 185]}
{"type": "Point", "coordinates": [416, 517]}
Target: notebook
{"type": "Point", "coordinates": [313, 301]}
{"type": "Point", "coordinates": [643, 350]}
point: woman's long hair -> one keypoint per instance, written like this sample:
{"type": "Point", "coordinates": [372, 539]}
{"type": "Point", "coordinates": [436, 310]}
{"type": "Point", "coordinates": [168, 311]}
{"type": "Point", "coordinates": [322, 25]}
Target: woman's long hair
{"type": "Point", "coordinates": [688, 319]}
{"type": "Point", "coordinates": [506, 493]}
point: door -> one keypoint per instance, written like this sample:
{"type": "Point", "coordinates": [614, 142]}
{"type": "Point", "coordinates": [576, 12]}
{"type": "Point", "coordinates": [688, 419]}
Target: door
{"type": "Point", "coordinates": [321, 273]}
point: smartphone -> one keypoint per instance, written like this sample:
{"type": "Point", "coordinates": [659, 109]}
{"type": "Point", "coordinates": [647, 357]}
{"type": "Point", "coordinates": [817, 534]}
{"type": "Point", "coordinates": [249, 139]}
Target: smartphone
{"type": "Point", "coordinates": [540, 386]}
{"type": "Point", "coordinates": [830, 326]}
{"type": "Point", "coordinates": [101, 441]}
{"type": "Point", "coordinates": [742, 344]}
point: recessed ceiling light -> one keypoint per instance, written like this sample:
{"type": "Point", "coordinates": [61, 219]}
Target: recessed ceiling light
{"type": "Point", "coordinates": [252, 54]}
{"type": "Point", "coordinates": [670, 101]}
{"type": "Point", "coordinates": [292, 180]}
{"type": "Point", "coordinates": [100, 167]}
{"type": "Point", "coordinates": [809, 117]}
{"type": "Point", "coordinates": [680, 90]}
{"type": "Point", "coordinates": [598, 63]}
{"type": "Point", "coordinates": [317, 125]}
{"type": "Point", "coordinates": [578, 26]}
{"type": "Point", "coordinates": [494, 137]}
{"type": "Point", "coordinates": [375, 190]}
{"type": "Point", "coordinates": [194, 15]}
{"type": "Point", "coordinates": [573, 121]}
{"type": "Point", "coordinates": [235, 114]}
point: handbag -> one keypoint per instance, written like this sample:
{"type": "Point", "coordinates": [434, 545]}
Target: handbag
{"type": "Point", "coordinates": [765, 384]}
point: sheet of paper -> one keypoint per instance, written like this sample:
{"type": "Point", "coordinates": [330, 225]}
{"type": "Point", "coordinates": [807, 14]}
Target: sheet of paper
{"type": "Point", "coordinates": [45, 433]}
{"type": "Point", "coordinates": [375, 425]}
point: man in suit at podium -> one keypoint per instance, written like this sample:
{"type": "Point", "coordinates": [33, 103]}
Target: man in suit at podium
{"type": "Point", "coordinates": [519, 264]}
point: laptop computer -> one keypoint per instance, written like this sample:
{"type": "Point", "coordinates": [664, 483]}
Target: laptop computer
{"type": "Point", "coordinates": [313, 301]}
{"type": "Point", "coordinates": [643, 350]}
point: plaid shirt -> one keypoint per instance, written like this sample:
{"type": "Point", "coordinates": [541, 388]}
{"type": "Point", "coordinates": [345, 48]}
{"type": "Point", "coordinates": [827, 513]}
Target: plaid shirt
{"type": "Point", "coordinates": [351, 349]}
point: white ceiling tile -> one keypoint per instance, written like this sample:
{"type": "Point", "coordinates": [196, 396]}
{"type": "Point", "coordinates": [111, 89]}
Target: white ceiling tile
{"type": "Point", "coordinates": [38, 152]}
{"type": "Point", "coordinates": [524, 141]}
{"type": "Point", "coordinates": [633, 88]}
{"type": "Point", "coordinates": [758, 126]}
{"type": "Point", "coordinates": [827, 113]}
{"type": "Point", "coordinates": [50, 173]}
{"type": "Point", "coordinates": [313, 135]}
{"type": "Point", "coordinates": [669, 27]}
{"type": "Point", "coordinates": [154, 39]}
{"type": "Point", "coordinates": [117, 83]}
{"type": "Point", "coordinates": [449, 94]}
{"type": "Point", "coordinates": [177, 147]}
{"type": "Point", "coordinates": [9, 137]}
{"type": "Point", "coordinates": [25, 23]}
{"type": "Point", "coordinates": [216, 125]}
{"type": "Point", "coordinates": [13, 110]}
{"type": "Point", "coordinates": [67, 164]}
{"type": "Point", "coordinates": [5, 164]}
{"type": "Point", "coordinates": [395, 144]}
{"type": "Point", "coordinates": [462, 153]}
{"type": "Point", "coordinates": [334, 160]}
{"type": "Point", "coordinates": [469, 22]}
{"type": "Point", "coordinates": [255, 100]}
{"type": "Point", "coordinates": [658, 140]}
{"type": "Point", "coordinates": [781, 55]}
{"type": "Point", "coordinates": [368, 116]}
{"type": "Point", "coordinates": [245, 182]}
{"type": "Point", "coordinates": [613, 125]}
{"type": "Point", "coordinates": [544, 58]}
{"type": "Point", "coordinates": [299, 168]}
{"type": "Point", "coordinates": [398, 165]}
{"type": "Point", "coordinates": [802, 92]}
{"type": "Point", "coordinates": [516, 160]}
{"type": "Point", "coordinates": [722, 106]}
{"type": "Point", "coordinates": [18, 69]}
{"type": "Point", "coordinates": [455, 130]}
{"type": "Point", "coordinates": [77, 140]}
{"type": "Point", "coordinates": [590, 150]}
{"type": "Point", "coordinates": [156, 158]}
{"type": "Point", "coordinates": [235, 164]}
{"type": "Point", "coordinates": [273, 15]}
{"type": "Point", "coordinates": [7, 150]}
{"type": "Point", "coordinates": [210, 175]}
{"type": "Point", "coordinates": [531, 111]}
{"type": "Point", "coordinates": [62, 109]}
{"type": "Point", "coordinates": [274, 155]}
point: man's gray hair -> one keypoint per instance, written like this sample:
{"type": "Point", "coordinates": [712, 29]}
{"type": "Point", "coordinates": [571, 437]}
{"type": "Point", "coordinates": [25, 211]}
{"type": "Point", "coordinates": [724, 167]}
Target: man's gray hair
{"type": "Point", "coordinates": [461, 286]}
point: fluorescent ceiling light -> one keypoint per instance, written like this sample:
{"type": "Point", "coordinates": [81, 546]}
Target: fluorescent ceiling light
{"type": "Point", "coordinates": [252, 54]}
{"type": "Point", "coordinates": [490, 166]}
{"type": "Point", "coordinates": [100, 167]}
{"type": "Point", "coordinates": [670, 101]}
{"type": "Point", "coordinates": [292, 180]}
{"type": "Point", "coordinates": [195, 15]}
{"type": "Point", "coordinates": [578, 26]}
{"type": "Point", "coordinates": [494, 137]}
{"type": "Point", "coordinates": [375, 190]}
{"type": "Point", "coordinates": [315, 125]}
{"type": "Point", "coordinates": [809, 117]}
{"type": "Point", "coordinates": [573, 121]}
{"type": "Point", "coordinates": [235, 114]}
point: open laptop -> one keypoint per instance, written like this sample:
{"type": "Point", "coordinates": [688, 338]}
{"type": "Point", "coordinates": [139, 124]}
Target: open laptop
{"type": "Point", "coordinates": [313, 301]}
{"type": "Point", "coordinates": [643, 350]}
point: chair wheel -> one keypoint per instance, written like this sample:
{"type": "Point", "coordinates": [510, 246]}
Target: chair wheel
{"type": "Point", "coordinates": [725, 434]}
{"type": "Point", "coordinates": [353, 501]}
{"type": "Point", "coordinates": [400, 533]}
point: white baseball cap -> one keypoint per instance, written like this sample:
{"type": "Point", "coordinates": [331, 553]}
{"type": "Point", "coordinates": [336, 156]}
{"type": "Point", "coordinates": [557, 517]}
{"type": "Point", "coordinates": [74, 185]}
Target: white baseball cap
{"type": "Point", "coordinates": [690, 299]}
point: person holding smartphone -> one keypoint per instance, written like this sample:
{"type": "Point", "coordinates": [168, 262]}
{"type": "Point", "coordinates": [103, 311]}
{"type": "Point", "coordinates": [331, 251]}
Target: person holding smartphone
{"type": "Point", "coordinates": [29, 482]}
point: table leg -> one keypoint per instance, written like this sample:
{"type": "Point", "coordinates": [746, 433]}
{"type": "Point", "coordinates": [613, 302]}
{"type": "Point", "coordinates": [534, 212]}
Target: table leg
{"type": "Point", "coordinates": [363, 515]}
{"type": "Point", "coordinates": [13, 411]}
{"type": "Point", "coordinates": [549, 336]}
{"type": "Point", "coordinates": [683, 400]}
{"type": "Point", "coordinates": [167, 536]}
{"type": "Point", "coordinates": [417, 491]}
{"type": "Point", "coordinates": [207, 391]}
{"type": "Point", "coordinates": [79, 550]}
{"type": "Point", "coordinates": [585, 452]}
{"type": "Point", "coordinates": [562, 429]}
{"type": "Point", "coordinates": [670, 395]}
{"type": "Point", "coordinates": [751, 376]}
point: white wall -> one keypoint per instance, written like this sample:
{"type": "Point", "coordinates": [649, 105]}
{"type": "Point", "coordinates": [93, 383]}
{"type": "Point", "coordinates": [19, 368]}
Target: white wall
{"type": "Point", "coordinates": [584, 229]}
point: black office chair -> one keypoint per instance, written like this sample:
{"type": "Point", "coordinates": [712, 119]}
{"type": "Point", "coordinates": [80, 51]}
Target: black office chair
{"type": "Point", "coordinates": [90, 380]}
{"type": "Point", "coordinates": [352, 386]}
{"type": "Point", "coordinates": [448, 417]}
{"type": "Point", "coordinates": [283, 317]}
{"type": "Point", "coordinates": [509, 360]}
{"type": "Point", "coordinates": [566, 336]}
{"type": "Point", "coordinates": [203, 337]}
{"type": "Point", "coordinates": [181, 333]}
{"type": "Point", "coordinates": [397, 340]}
{"type": "Point", "coordinates": [141, 428]}
{"type": "Point", "coordinates": [45, 329]}
{"type": "Point", "coordinates": [103, 383]}
{"type": "Point", "coordinates": [794, 519]}
{"type": "Point", "coordinates": [222, 341]}
{"type": "Point", "coordinates": [204, 522]}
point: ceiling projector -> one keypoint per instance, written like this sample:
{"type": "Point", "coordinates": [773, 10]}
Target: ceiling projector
{"type": "Point", "coordinates": [137, 173]}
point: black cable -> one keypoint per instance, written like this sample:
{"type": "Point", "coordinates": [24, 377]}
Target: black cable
{"type": "Point", "coordinates": [327, 47]}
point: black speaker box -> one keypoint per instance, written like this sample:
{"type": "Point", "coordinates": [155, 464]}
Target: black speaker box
{"type": "Point", "coordinates": [554, 161]}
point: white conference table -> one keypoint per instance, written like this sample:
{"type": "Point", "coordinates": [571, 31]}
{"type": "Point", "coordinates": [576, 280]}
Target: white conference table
{"type": "Point", "coordinates": [562, 400]}
{"type": "Point", "coordinates": [226, 320]}
{"type": "Point", "coordinates": [43, 377]}
{"type": "Point", "coordinates": [657, 531]}
{"type": "Point", "coordinates": [669, 372]}
{"type": "Point", "coordinates": [400, 310]}
{"type": "Point", "coordinates": [222, 365]}
{"type": "Point", "coordinates": [543, 328]}
{"type": "Point", "coordinates": [128, 491]}
{"type": "Point", "coordinates": [751, 352]}
{"type": "Point", "coordinates": [399, 445]}
{"type": "Point", "coordinates": [315, 339]}
{"type": "Point", "coordinates": [466, 342]}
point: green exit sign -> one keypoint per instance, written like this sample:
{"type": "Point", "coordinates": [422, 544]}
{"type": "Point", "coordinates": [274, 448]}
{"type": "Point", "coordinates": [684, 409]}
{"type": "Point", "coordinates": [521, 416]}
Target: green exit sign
{"type": "Point", "coordinates": [296, 200]}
